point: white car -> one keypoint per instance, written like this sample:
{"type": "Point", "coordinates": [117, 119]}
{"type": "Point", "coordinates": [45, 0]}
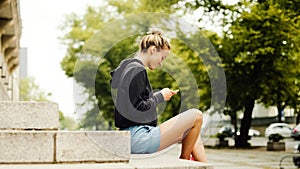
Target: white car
{"type": "Point", "coordinates": [280, 128]}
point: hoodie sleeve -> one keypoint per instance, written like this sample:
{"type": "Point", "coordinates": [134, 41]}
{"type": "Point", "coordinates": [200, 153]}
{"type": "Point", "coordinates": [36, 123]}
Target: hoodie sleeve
{"type": "Point", "coordinates": [141, 95]}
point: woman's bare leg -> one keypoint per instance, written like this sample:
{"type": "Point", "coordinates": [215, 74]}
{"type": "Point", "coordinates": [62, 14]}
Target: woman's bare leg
{"type": "Point", "coordinates": [198, 151]}
{"type": "Point", "coordinates": [170, 133]}
{"type": "Point", "coordinates": [189, 141]}
{"type": "Point", "coordinates": [173, 130]}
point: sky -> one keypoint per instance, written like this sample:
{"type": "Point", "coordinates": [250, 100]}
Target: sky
{"type": "Point", "coordinates": [40, 21]}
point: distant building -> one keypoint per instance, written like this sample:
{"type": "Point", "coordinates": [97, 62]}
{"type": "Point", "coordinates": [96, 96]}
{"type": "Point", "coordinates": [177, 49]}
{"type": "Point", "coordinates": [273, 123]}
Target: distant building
{"type": "Point", "coordinates": [260, 110]}
{"type": "Point", "coordinates": [10, 33]}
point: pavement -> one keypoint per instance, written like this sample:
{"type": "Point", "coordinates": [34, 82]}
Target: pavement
{"type": "Point", "coordinates": [245, 159]}
{"type": "Point", "coordinates": [255, 158]}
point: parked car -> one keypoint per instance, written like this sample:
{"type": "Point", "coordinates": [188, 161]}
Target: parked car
{"type": "Point", "coordinates": [229, 129]}
{"type": "Point", "coordinates": [296, 132]}
{"type": "Point", "coordinates": [253, 132]}
{"type": "Point", "coordinates": [280, 128]}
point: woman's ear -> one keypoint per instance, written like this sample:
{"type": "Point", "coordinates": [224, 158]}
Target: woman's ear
{"type": "Point", "coordinates": [152, 49]}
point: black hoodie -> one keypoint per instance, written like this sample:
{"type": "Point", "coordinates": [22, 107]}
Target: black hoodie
{"type": "Point", "coordinates": [135, 103]}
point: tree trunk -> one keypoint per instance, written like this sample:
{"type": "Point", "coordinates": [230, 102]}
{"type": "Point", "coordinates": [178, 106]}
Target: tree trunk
{"type": "Point", "coordinates": [242, 140]}
{"type": "Point", "coordinates": [279, 115]}
{"type": "Point", "coordinates": [297, 113]}
{"type": "Point", "coordinates": [97, 126]}
{"type": "Point", "coordinates": [298, 118]}
{"type": "Point", "coordinates": [109, 126]}
{"type": "Point", "coordinates": [280, 109]}
{"type": "Point", "coordinates": [234, 122]}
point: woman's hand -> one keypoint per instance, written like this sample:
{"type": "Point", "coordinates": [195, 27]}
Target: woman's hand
{"type": "Point", "coordinates": [168, 93]}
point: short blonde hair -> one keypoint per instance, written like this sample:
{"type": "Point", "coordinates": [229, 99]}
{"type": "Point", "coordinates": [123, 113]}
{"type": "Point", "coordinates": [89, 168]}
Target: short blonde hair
{"type": "Point", "coordinates": [154, 38]}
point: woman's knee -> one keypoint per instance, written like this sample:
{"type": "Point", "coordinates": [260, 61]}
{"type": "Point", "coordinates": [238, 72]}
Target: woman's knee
{"type": "Point", "coordinates": [198, 116]}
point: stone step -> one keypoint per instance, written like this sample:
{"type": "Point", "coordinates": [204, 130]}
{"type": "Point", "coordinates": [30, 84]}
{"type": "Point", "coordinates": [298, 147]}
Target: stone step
{"type": "Point", "coordinates": [145, 164]}
{"type": "Point", "coordinates": [163, 162]}
{"type": "Point", "coordinates": [165, 159]}
{"type": "Point", "coordinates": [22, 115]}
{"type": "Point", "coordinates": [93, 146]}
{"type": "Point", "coordinates": [26, 146]}
{"type": "Point", "coordinates": [64, 146]}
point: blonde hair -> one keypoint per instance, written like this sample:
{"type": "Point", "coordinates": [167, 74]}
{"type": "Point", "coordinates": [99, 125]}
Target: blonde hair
{"type": "Point", "coordinates": [154, 38]}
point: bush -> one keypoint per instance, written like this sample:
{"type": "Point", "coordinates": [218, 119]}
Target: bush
{"type": "Point", "coordinates": [276, 137]}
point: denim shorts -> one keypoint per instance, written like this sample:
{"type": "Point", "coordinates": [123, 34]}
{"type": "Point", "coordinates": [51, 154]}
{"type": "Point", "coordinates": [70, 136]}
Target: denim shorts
{"type": "Point", "coordinates": [144, 139]}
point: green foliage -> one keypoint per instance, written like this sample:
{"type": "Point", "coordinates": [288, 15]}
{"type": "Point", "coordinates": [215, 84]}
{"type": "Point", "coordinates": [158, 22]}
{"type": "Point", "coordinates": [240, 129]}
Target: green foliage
{"type": "Point", "coordinates": [31, 91]}
{"type": "Point", "coordinates": [259, 55]}
{"type": "Point", "coordinates": [78, 30]}
{"type": "Point", "coordinates": [86, 53]}
{"type": "Point", "coordinates": [67, 123]}
{"type": "Point", "coordinates": [259, 50]}
{"type": "Point", "coordinates": [137, 6]}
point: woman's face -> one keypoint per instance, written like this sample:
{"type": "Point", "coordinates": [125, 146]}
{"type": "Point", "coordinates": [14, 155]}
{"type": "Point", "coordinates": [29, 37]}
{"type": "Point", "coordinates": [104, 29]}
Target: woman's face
{"type": "Point", "coordinates": [157, 57]}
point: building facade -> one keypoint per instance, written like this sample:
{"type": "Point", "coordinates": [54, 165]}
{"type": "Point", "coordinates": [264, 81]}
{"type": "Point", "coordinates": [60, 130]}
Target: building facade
{"type": "Point", "coordinates": [10, 33]}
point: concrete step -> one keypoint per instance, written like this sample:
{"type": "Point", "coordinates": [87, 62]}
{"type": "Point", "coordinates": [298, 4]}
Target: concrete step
{"type": "Point", "coordinates": [28, 115]}
{"type": "Point", "coordinates": [93, 146]}
{"type": "Point", "coordinates": [64, 146]}
{"type": "Point", "coordinates": [26, 146]}
{"type": "Point", "coordinates": [165, 159]}
{"type": "Point", "coordinates": [164, 162]}
{"type": "Point", "coordinates": [144, 164]}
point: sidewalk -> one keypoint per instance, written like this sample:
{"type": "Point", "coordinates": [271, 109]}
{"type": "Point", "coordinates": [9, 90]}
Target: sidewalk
{"type": "Point", "coordinates": [244, 159]}
{"type": "Point", "coordinates": [231, 158]}
{"type": "Point", "coordinates": [255, 158]}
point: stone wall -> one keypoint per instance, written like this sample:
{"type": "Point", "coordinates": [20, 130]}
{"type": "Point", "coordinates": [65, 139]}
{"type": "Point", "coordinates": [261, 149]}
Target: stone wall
{"type": "Point", "coordinates": [10, 33]}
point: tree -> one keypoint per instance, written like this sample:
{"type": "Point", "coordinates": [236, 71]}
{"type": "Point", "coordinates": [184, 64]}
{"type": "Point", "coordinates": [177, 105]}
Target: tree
{"type": "Point", "coordinates": [285, 87]}
{"type": "Point", "coordinates": [260, 55]}
{"type": "Point", "coordinates": [78, 31]}
{"type": "Point", "coordinates": [102, 52]}
{"type": "Point", "coordinates": [284, 25]}
{"type": "Point", "coordinates": [67, 123]}
{"type": "Point", "coordinates": [30, 91]}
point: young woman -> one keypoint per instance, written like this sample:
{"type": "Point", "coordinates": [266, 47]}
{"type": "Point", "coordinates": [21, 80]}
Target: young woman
{"type": "Point", "coordinates": [135, 105]}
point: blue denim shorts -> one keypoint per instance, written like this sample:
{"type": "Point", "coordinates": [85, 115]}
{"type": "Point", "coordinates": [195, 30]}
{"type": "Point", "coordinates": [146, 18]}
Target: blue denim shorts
{"type": "Point", "coordinates": [144, 139]}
